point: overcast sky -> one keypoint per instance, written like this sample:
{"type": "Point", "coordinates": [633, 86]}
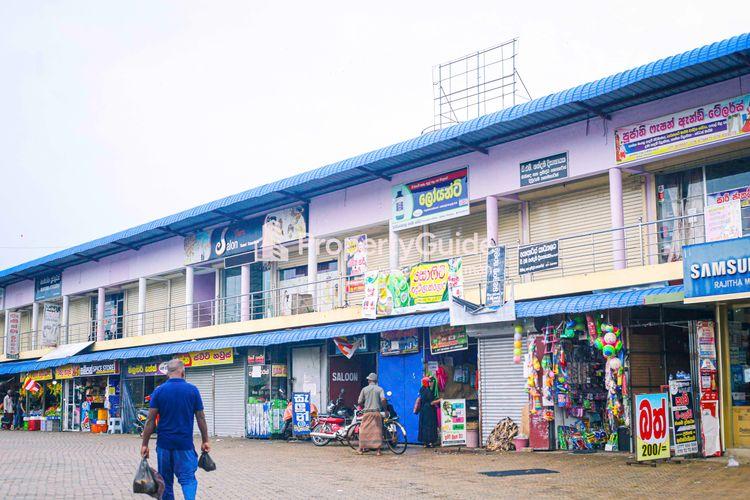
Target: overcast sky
{"type": "Point", "coordinates": [116, 113]}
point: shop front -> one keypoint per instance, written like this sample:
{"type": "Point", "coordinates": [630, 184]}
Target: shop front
{"type": "Point", "coordinates": [350, 360]}
{"type": "Point", "coordinates": [140, 378]}
{"type": "Point", "coordinates": [41, 395]}
{"type": "Point", "coordinates": [91, 396]}
{"type": "Point", "coordinates": [267, 390]}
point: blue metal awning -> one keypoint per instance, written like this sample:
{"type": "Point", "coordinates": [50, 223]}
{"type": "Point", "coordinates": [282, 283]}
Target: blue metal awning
{"type": "Point", "coordinates": [249, 340]}
{"type": "Point", "coordinates": [591, 302]}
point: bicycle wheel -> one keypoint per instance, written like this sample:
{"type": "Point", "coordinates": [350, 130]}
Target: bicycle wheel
{"type": "Point", "coordinates": [321, 441]}
{"type": "Point", "coordinates": [395, 437]}
{"type": "Point", "coordinates": [352, 437]}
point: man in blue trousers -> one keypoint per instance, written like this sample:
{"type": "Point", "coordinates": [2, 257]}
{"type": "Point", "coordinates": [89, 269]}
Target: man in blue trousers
{"type": "Point", "coordinates": [176, 402]}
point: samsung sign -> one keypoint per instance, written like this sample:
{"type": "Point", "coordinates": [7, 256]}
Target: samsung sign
{"type": "Point", "coordinates": [718, 268]}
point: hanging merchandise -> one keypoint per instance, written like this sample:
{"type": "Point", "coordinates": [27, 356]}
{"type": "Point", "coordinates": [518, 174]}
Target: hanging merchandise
{"type": "Point", "coordinates": [609, 341]}
{"type": "Point", "coordinates": [532, 369]}
{"type": "Point", "coordinates": [517, 344]}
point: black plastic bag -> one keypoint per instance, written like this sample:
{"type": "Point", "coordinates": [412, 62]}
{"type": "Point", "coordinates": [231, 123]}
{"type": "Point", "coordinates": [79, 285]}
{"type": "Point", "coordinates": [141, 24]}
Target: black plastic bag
{"type": "Point", "coordinates": [206, 463]}
{"type": "Point", "coordinates": [148, 481]}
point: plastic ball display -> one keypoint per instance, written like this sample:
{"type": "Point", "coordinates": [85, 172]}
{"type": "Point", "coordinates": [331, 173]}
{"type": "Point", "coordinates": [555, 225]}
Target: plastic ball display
{"type": "Point", "coordinates": [517, 344]}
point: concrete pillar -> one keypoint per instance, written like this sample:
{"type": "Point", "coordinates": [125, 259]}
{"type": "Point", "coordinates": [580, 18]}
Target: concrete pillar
{"type": "Point", "coordinates": [101, 297]}
{"type": "Point", "coordinates": [245, 292]}
{"type": "Point", "coordinates": [64, 317]}
{"type": "Point", "coordinates": [393, 249]}
{"type": "Point", "coordinates": [492, 221]}
{"type": "Point", "coordinates": [189, 299]}
{"type": "Point", "coordinates": [141, 323]}
{"type": "Point", "coordinates": [217, 297]}
{"type": "Point", "coordinates": [618, 217]}
{"type": "Point", "coordinates": [34, 325]}
{"type": "Point", "coordinates": [312, 269]}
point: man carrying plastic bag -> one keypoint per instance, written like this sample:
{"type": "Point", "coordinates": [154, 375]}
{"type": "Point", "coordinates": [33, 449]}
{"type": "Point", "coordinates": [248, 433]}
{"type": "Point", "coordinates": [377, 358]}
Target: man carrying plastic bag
{"type": "Point", "coordinates": [176, 402]}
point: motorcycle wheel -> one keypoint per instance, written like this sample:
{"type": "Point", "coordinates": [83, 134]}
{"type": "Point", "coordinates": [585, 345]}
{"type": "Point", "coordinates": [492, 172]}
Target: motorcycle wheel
{"type": "Point", "coordinates": [352, 437]}
{"type": "Point", "coordinates": [395, 437]}
{"type": "Point", "coordinates": [320, 441]}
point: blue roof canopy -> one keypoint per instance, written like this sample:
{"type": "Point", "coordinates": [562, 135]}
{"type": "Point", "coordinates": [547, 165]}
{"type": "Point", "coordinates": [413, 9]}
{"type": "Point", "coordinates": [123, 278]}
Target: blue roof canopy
{"type": "Point", "coordinates": [712, 63]}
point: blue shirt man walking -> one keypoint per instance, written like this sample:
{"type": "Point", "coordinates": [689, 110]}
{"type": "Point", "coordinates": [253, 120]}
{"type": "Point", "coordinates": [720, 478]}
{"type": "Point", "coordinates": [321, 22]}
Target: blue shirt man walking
{"type": "Point", "coordinates": [176, 402]}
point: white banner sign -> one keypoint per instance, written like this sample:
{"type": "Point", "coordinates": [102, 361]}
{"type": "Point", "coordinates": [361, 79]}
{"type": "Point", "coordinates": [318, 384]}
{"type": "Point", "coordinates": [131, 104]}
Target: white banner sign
{"type": "Point", "coordinates": [50, 325]}
{"type": "Point", "coordinates": [13, 334]}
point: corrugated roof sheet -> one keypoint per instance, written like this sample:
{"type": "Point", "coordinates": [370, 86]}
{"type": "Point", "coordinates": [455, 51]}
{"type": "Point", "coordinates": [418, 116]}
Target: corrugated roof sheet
{"type": "Point", "coordinates": [692, 69]}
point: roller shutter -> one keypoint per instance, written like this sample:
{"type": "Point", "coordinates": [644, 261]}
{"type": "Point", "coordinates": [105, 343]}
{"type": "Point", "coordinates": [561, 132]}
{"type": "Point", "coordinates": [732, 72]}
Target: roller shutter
{"type": "Point", "coordinates": [131, 311]}
{"type": "Point", "coordinates": [157, 302]}
{"type": "Point", "coordinates": [203, 379]}
{"type": "Point", "coordinates": [509, 234]}
{"type": "Point", "coordinates": [79, 319]}
{"type": "Point", "coordinates": [501, 383]}
{"type": "Point", "coordinates": [25, 330]}
{"type": "Point", "coordinates": [408, 246]}
{"type": "Point", "coordinates": [462, 237]}
{"type": "Point", "coordinates": [177, 311]}
{"type": "Point", "coordinates": [229, 397]}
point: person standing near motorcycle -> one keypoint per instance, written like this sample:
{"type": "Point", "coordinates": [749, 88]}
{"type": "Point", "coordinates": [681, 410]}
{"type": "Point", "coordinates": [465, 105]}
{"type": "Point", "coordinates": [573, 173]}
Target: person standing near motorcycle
{"type": "Point", "coordinates": [372, 399]}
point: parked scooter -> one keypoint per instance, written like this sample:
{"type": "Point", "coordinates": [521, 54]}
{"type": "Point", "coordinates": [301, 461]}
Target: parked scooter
{"type": "Point", "coordinates": [333, 425]}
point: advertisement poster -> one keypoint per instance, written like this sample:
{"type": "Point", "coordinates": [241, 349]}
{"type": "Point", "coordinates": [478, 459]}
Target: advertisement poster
{"type": "Point", "coordinates": [538, 257]}
{"type": "Point", "coordinates": [301, 413]}
{"type": "Point", "coordinates": [677, 131]}
{"type": "Point", "coordinates": [495, 295]}
{"type": "Point", "coordinates": [146, 369]}
{"type": "Point", "coordinates": [278, 371]}
{"type": "Point", "coordinates": [684, 433]}
{"type": "Point", "coordinates": [67, 372]}
{"type": "Point", "coordinates": [12, 334]}
{"type": "Point", "coordinates": [395, 342]}
{"type": "Point", "coordinates": [372, 295]}
{"type": "Point", "coordinates": [723, 221]}
{"type": "Point", "coordinates": [448, 339]}
{"type": "Point", "coordinates": [207, 358]}
{"type": "Point", "coordinates": [426, 286]}
{"type": "Point", "coordinates": [48, 286]}
{"type": "Point", "coordinates": [544, 169]}
{"type": "Point", "coordinates": [289, 224]}
{"type": "Point", "coordinates": [355, 253]}
{"type": "Point", "coordinates": [651, 427]}
{"type": "Point", "coordinates": [453, 422]}
{"type": "Point", "coordinates": [430, 200]}
{"type": "Point", "coordinates": [50, 325]}
{"type": "Point", "coordinates": [108, 368]}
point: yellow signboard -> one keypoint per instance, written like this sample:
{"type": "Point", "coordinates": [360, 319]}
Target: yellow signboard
{"type": "Point", "coordinates": [67, 372]}
{"type": "Point", "coordinates": [40, 375]}
{"type": "Point", "coordinates": [208, 358]}
{"type": "Point", "coordinates": [652, 426]}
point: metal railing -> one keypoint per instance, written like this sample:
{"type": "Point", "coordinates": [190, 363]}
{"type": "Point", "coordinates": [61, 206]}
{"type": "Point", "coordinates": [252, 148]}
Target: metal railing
{"type": "Point", "coordinates": [639, 244]}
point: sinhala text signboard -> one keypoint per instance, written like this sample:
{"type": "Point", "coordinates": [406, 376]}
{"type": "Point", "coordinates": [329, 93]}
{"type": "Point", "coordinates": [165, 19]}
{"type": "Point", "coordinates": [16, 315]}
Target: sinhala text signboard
{"type": "Point", "coordinates": [538, 257]}
{"type": "Point", "coordinates": [301, 413]}
{"type": "Point", "coordinates": [436, 198]}
{"type": "Point", "coordinates": [717, 268]}
{"type": "Point", "coordinates": [48, 286]}
{"type": "Point", "coordinates": [544, 169]}
{"type": "Point", "coordinates": [651, 426]}
{"type": "Point", "coordinates": [453, 422]}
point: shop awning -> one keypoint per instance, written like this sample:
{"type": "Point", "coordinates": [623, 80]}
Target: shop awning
{"type": "Point", "coordinates": [66, 350]}
{"type": "Point", "coordinates": [597, 301]}
{"type": "Point", "coordinates": [249, 340]}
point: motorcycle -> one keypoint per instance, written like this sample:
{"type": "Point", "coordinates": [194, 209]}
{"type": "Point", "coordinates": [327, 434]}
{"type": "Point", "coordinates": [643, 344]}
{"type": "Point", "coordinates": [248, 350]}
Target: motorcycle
{"type": "Point", "coordinates": [335, 424]}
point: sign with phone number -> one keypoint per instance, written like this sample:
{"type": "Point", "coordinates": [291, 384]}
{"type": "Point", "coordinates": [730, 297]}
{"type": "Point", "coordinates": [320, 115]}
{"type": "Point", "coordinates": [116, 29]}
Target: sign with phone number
{"type": "Point", "coordinates": [652, 426]}
{"type": "Point", "coordinates": [208, 358]}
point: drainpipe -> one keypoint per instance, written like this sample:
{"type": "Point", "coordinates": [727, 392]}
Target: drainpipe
{"type": "Point", "coordinates": [618, 217]}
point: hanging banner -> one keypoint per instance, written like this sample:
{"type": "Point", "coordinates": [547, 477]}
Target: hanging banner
{"type": "Point", "coordinates": [48, 286]}
{"type": "Point", "coordinates": [678, 131]}
{"type": "Point", "coordinates": [67, 372]}
{"type": "Point", "coordinates": [448, 339]}
{"type": "Point", "coordinates": [651, 427]}
{"type": "Point", "coordinates": [301, 413]}
{"type": "Point", "coordinates": [12, 334]}
{"type": "Point", "coordinates": [50, 325]}
{"type": "Point", "coordinates": [453, 422]}
{"type": "Point", "coordinates": [355, 254]}
{"type": "Point", "coordinates": [723, 221]}
{"type": "Point", "coordinates": [107, 368]}
{"type": "Point", "coordinates": [396, 342]}
{"type": "Point", "coordinates": [208, 358]}
{"type": "Point", "coordinates": [495, 294]}
{"type": "Point", "coordinates": [430, 200]}
{"type": "Point", "coordinates": [372, 295]}
{"type": "Point", "coordinates": [349, 346]}
{"type": "Point", "coordinates": [684, 431]}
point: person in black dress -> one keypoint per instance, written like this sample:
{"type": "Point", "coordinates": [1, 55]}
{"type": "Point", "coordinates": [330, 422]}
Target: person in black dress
{"type": "Point", "coordinates": [428, 426]}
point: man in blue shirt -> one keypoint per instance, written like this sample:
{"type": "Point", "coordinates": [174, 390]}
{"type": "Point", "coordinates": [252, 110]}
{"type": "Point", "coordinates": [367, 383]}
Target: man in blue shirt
{"type": "Point", "coordinates": [176, 402]}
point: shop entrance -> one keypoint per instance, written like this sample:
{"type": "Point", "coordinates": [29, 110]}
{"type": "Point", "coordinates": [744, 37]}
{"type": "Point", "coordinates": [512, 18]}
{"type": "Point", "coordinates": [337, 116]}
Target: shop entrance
{"type": "Point", "coordinates": [306, 371]}
{"type": "Point", "coordinates": [738, 326]}
{"type": "Point", "coordinates": [350, 373]}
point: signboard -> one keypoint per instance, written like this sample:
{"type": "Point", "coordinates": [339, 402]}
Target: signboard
{"type": "Point", "coordinates": [67, 372]}
{"type": "Point", "coordinates": [453, 422]}
{"type": "Point", "coordinates": [684, 433]}
{"type": "Point", "coordinates": [208, 358]}
{"type": "Point", "coordinates": [355, 254]}
{"type": "Point", "coordinates": [40, 375]}
{"type": "Point", "coordinates": [426, 286]}
{"type": "Point", "coordinates": [723, 221]}
{"type": "Point", "coordinates": [48, 286]}
{"type": "Point", "coordinates": [301, 413]}
{"type": "Point", "coordinates": [395, 342]}
{"type": "Point", "coordinates": [146, 369]}
{"type": "Point", "coordinates": [538, 257]}
{"type": "Point", "coordinates": [717, 268]}
{"type": "Point", "coordinates": [50, 325]}
{"type": "Point", "coordinates": [108, 368]}
{"type": "Point", "coordinates": [12, 334]}
{"type": "Point", "coordinates": [430, 200]}
{"type": "Point", "coordinates": [741, 195]}
{"type": "Point", "coordinates": [678, 131]}
{"type": "Point", "coordinates": [651, 427]}
{"type": "Point", "coordinates": [495, 295]}
{"type": "Point", "coordinates": [278, 371]}
{"type": "Point", "coordinates": [544, 169]}
{"type": "Point", "coordinates": [448, 339]}
{"type": "Point", "coordinates": [256, 356]}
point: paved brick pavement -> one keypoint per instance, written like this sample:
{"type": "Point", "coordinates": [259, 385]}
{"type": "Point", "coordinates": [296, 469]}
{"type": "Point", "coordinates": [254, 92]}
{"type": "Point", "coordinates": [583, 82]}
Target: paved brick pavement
{"type": "Point", "coordinates": [76, 466]}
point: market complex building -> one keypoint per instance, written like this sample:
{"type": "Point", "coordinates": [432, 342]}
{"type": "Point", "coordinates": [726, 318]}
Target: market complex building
{"type": "Point", "coordinates": [593, 203]}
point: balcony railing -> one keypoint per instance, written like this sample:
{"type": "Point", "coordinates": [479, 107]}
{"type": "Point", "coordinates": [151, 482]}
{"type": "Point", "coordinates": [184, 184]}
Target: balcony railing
{"type": "Point", "coordinates": [641, 244]}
